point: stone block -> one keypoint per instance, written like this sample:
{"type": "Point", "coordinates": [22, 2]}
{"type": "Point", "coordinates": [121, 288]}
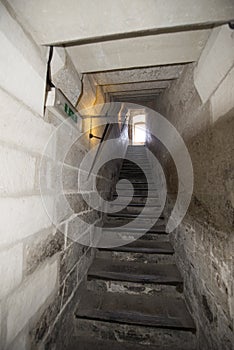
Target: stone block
{"type": "Point", "coordinates": [95, 201]}
{"type": "Point", "coordinates": [222, 100]}
{"type": "Point", "coordinates": [85, 183]}
{"type": "Point", "coordinates": [78, 202]}
{"type": "Point", "coordinates": [69, 179]}
{"type": "Point", "coordinates": [20, 126]}
{"type": "Point", "coordinates": [21, 342]}
{"type": "Point", "coordinates": [74, 155]}
{"type": "Point", "coordinates": [11, 269]}
{"type": "Point", "coordinates": [215, 62]}
{"type": "Point", "coordinates": [84, 264]}
{"type": "Point", "coordinates": [64, 75]}
{"type": "Point", "coordinates": [69, 286]}
{"type": "Point", "coordinates": [66, 136]}
{"type": "Point", "coordinates": [30, 297]}
{"type": "Point", "coordinates": [41, 327]}
{"type": "Point", "coordinates": [70, 257]}
{"type": "Point", "coordinates": [37, 250]}
{"type": "Point", "coordinates": [63, 209]}
{"type": "Point", "coordinates": [17, 172]}
{"type": "Point", "coordinates": [22, 59]}
{"type": "Point", "coordinates": [21, 217]}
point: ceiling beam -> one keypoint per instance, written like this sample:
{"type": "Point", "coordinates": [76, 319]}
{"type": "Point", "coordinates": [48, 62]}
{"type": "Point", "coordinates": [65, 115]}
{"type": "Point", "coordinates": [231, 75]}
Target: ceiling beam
{"type": "Point", "coordinates": [136, 75]}
{"type": "Point", "coordinates": [136, 86]}
{"type": "Point", "coordinates": [147, 96]}
{"type": "Point", "coordinates": [78, 21]}
{"type": "Point", "coordinates": [136, 92]}
{"type": "Point", "coordinates": [152, 50]}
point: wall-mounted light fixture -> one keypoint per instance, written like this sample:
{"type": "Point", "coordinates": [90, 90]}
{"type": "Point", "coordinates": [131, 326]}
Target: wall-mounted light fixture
{"type": "Point", "coordinates": [231, 24]}
{"type": "Point", "coordinates": [91, 136]}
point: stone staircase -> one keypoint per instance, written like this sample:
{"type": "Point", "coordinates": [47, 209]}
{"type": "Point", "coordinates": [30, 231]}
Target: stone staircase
{"type": "Point", "coordinates": [134, 297]}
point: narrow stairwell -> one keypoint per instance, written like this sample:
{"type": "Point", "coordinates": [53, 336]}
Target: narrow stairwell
{"type": "Point", "coordinates": [134, 297]}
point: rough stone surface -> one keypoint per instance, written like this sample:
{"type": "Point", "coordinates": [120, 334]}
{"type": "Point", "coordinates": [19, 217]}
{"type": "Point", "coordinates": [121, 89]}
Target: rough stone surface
{"type": "Point", "coordinates": [64, 75]}
{"type": "Point", "coordinates": [26, 301]}
{"type": "Point", "coordinates": [38, 250]}
{"type": "Point", "coordinates": [215, 62]}
{"type": "Point", "coordinates": [40, 267]}
{"type": "Point", "coordinates": [204, 241]}
{"type": "Point", "coordinates": [138, 75]}
{"type": "Point", "coordinates": [11, 269]}
{"type": "Point", "coordinates": [222, 102]}
{"type": "Point", "coordinates": [134, 334]}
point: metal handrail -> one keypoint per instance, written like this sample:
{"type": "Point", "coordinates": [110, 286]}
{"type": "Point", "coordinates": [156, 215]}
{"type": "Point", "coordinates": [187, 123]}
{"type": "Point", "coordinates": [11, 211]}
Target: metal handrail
{"type": "Point", "coordinates": [101, 141]}
{"type": "Point", "coordinates": [99, 146]}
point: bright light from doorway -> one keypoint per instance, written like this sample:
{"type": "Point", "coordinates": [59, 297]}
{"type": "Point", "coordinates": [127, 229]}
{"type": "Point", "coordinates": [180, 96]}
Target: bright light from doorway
{"type": "Point", "coordinates": [139, 133]}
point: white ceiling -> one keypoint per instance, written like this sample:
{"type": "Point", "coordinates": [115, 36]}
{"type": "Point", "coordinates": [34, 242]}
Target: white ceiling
{"type": "Point", "coordinates": [63, 21]}
{"type": "Point", "coordinates": [133, 48]}
{"type": "Point", "coordinates": [161, 49]}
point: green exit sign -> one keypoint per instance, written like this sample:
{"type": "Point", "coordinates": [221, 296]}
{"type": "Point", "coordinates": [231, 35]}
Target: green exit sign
{"type": "Point", "coordinates": [70, 112]}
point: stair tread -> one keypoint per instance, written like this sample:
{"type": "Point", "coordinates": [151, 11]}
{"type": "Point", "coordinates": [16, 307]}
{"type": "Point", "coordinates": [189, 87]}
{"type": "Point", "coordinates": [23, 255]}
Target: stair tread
{"type": "Point", "coordinates": [136, 195]}
{"type": "Point", "coordinates": [128, 188]}
{"type": "Point", "coordinates": [119, 270]}
{"type": "Point", "coordinates": [136, 205]}
{"type": "Point", "coordinates": [121, 214]}
{"type": "Point", "coordinates": [160, 312]}
{"type": "Point", "coordinates": [112, 226]}
{"type": "Point", "coordinates": [145, 246]}
{"type": "Point", "coordinates": [90, 343]}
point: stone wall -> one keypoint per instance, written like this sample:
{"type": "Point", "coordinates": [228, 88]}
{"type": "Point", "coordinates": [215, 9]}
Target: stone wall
{"type": "Point", "coordinates": [204, 242]}
{"type": "Point", "coordinates": [41, 268]}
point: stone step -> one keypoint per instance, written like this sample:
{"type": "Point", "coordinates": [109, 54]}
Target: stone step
{"type": "Point", "coordinates": [125, 271]}
{"type": "Point", "coordinates": [134, 172]}
{"type": "Point", "coordinates": [142, 183]}
{"type": "Point", "coordinates": [136, 210]}
{"type": "Point", "coordinates": [143, 251]}
{"type": "Point", "coordinates": [138, 234]}
{"type": "Point", "coordinates": [144, 246]}
{"type": "Point", "coordinates": [133, 155]}
{"type": "Point", "coordinates": [88, 343]}
{"type": "Point", "coordinates": [124, 201]}
{"type": "Point", "coordinates": [134, 215]}
{"type": "Point", "coordinates": [133, 222]}
{"type": "Point", "coordinates": [137, 178]}
{"type": "Point", "coordinates": [136, 257]}
{"type": "Point", "coordinates": [136, 149]}
{"type": "Point", "coordinates": [158, 338]}
{"type": "Point", "coordinates": [140, 186]}
{"type": "Point", "coordinates": [137, 191]}
{"type": "Point", "coordinates": [118, 225]}
{"type": "Point", "coordinates": [136, 152]}
{"type": "Point", "coordinates": [133, 160]}
{"type": "Point", "coordinates": [130, 175]}
{"type": "Point", "coordinates": [139, 167]}
{"type": "Point", "coordinates": [133, 288]}
{"type": "Point", "coordinates": [135, 310]}
{"type": "Point", "coordinates": [138, 199]}
{"type": "Point", "coordinates": [136, 160]}
{"type": "Point", "coordinates": [136, 163]}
